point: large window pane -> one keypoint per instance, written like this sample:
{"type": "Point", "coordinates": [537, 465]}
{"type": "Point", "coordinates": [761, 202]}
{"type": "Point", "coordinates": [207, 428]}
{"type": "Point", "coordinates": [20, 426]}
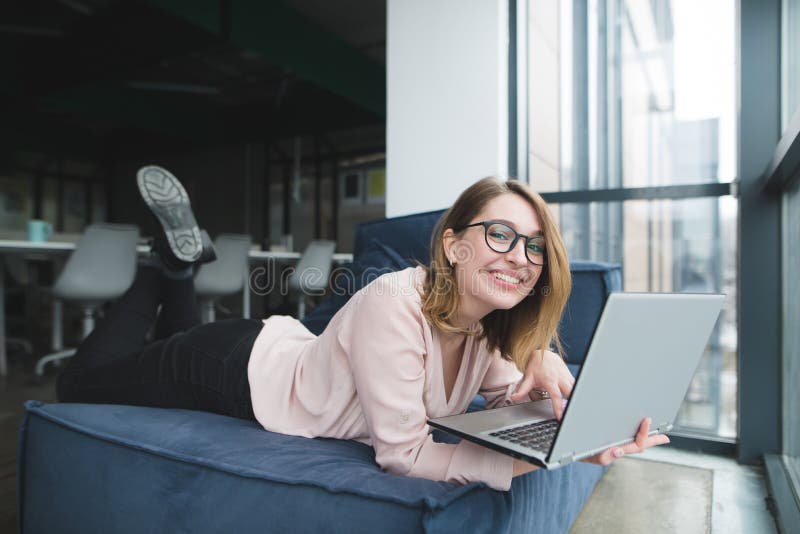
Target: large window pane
{"type": "Point", "coordinates": [790, 59]}
{"type": "Point", "coordinates": [674, 246]}
{"type": "Point", "coordinates": [791, 334]}
{"type": "Point", "coordinates": [637, 93]}
{"type": "Point", "coordinates": [629, 93]}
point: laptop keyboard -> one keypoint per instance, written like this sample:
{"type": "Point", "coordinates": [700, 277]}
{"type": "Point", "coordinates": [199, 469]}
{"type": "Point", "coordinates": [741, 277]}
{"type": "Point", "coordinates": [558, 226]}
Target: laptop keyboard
{"type": "Point", "coordinates": [537, 436]}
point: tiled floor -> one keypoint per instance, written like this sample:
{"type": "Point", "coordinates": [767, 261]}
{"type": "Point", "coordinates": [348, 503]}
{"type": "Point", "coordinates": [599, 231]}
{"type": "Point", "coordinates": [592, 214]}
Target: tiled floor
{"type": "Point", "coordinates": [646, 496]}
{"type": "Point", "coordinates": [667, 490]}
{"type": "Point", "coordinates": [738, 493]}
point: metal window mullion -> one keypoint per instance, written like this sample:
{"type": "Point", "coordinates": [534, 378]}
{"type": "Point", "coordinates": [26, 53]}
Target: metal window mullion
{"type": "Point", "coordinates": [674, 192]}
{"type": "Point", "coordinates": [759, 286]}
{"type": "Point", "coordinates": [580, 115]}
{"type": "Point", "coordinates": [522, 125]}
{"type": "Point", "coordinates": [513, 86]}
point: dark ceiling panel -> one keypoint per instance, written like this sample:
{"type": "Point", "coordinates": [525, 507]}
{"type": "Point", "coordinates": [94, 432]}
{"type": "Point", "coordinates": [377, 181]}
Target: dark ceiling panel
{"type": "Point", "coordinates": [360, 23]}
{"type": "Point", "coordinates": [52, 135]}
{"type": "Point", "coordinates": [119, 74]}
{"type": "Point", "coordinates": [283, 37]}
{"type": "Point", "coordinates": [113, 42]}
{"type": "Point", "coordinates": [178, 116]}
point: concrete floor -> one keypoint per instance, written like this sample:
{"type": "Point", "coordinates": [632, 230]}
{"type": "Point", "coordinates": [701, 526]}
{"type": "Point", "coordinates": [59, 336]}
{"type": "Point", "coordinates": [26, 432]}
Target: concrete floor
{"type": "Point", "coordinates": [688, 484]}
{"type": "Point", "coordinates": [668, 490]}
{"type": "Point", "coordinates": [739, 502]}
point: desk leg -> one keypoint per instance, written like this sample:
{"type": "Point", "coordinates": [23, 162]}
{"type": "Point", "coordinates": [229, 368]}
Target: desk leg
{"type": "Point", "coordinates": [246, 294]}
{"type": "Point", "coordinates": [3, 356]}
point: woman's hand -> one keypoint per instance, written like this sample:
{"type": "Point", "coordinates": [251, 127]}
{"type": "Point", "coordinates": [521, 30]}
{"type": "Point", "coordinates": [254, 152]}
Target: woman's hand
{"type": "Point", "coordinates": [546, 371]}
{"type": "Point", "coordinates": [642, 442]}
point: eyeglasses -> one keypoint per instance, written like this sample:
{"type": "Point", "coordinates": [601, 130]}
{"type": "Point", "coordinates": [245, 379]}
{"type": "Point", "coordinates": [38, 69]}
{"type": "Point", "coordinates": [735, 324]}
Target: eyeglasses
{"type": "Point", "coordinates": [502, 238]}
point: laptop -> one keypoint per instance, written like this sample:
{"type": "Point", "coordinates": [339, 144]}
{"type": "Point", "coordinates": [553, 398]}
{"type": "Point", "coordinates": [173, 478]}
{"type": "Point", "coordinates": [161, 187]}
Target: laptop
{"type": "Point", "coordinates": [643, 354]}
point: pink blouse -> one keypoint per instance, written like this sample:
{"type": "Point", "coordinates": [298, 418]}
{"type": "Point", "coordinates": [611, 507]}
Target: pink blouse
{"type": "Point", "coordinates": [375, 375]}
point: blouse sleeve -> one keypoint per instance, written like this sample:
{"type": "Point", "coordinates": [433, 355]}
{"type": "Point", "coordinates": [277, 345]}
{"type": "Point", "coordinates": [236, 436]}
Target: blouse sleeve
{"type": "Point", "coordinates": [500, 382]}
{"type": "Point", "coordinates": [385, 344]}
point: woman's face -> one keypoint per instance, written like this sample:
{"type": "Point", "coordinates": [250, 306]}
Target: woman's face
{"type": "Point", "coordinates": [490, 280]}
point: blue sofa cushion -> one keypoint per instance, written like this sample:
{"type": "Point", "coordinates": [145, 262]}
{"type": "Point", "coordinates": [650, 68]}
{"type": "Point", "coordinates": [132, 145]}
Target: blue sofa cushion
{"type": "Point", "coordinates": [409, 235]}
{"type": "Point", "coordinates": [376, 259]}
{"type": "Point", "coordinates": [109, 468]}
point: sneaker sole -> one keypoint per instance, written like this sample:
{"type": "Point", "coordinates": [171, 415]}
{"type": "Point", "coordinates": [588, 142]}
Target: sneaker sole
{"type": "Point", "coordinates": [169, 202]}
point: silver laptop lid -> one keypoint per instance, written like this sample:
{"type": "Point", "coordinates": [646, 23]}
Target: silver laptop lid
{"type": "Point", "coordinates": [656, 340]}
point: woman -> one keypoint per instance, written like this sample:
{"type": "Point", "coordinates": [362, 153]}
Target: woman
{"type": "Point", "coordinates": [411, 345]}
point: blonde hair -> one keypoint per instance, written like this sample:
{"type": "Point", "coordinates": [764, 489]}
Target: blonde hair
{"type": "Point", "coordinates": [531, 325]}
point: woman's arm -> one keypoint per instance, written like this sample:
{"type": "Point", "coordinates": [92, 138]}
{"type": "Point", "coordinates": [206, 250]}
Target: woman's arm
{"type": "Point", "coordinates": [523, 468]}
{"type": "Point", "coordinates": [499, 382]}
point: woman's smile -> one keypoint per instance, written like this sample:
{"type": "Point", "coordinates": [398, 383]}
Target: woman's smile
{"type": "Point", "coordinates": [506, 279]}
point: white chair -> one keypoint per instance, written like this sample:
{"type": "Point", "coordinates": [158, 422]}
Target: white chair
{"type": "Point", "coordinates": [101, 269]}
{"type": "Point", "coordinates": [312, 273]}
{"type": "Point", "coordinates": [224, 276]}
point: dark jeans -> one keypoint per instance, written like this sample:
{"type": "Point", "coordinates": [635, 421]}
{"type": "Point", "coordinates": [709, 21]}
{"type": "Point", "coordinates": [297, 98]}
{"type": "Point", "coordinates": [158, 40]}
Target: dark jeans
{"type": "Point", "coordinates": [189, 365]}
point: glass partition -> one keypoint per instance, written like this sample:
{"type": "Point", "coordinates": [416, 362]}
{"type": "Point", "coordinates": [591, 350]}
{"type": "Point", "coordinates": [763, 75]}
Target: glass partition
{"type": "Point", "coordinates": [674, 246]}
{"type": "Point", "coordinates": [629, 94]}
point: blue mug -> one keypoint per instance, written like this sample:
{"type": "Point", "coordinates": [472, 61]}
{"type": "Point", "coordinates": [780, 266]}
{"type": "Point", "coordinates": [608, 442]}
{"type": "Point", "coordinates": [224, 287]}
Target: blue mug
{"type": "Point", "coordinates": [39, 231]}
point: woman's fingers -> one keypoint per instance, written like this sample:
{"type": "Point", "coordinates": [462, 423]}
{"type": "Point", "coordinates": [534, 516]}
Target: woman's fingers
{"type": "Point", "coordinates": [552, 388]}
{"type": "Point", "coordinates": [524, 388]}
{"type": "Point", "coordinates": [566, 385]}
{"type": "Point", "coordinates": [546, 373]}
{"type": "Point", "coordinates": [641, 442]}
{"type": "Point", "coordinates": [556, 399]}
{"type": "Point", "coordinates": [607, 456]}
{"type": "Point", "coordinates": [650, 441]}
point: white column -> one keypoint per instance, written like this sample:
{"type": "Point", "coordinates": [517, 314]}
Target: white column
{"type": "Point", "coordinates": [447, 99]}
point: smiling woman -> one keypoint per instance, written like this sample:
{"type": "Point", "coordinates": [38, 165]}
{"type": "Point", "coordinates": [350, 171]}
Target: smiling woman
{"type": "Point", "coordinates": [410, 346]}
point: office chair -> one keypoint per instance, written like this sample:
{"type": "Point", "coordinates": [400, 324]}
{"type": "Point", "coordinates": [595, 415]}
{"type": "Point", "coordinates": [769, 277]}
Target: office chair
{"type": "Point", "coordinates": [225, 276]}
{"type": "Point", "coordinates": [101, 269]}
{"type": "Point", "coordinates": [312, 273]}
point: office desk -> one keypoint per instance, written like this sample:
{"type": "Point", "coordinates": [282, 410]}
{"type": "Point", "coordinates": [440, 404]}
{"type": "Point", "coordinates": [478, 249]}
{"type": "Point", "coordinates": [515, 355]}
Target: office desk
{"type": "Point", "coordinates": [53, 249]}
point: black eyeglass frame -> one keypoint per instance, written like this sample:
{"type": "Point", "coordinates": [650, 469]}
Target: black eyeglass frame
{"type": "Point", "coordinates": [517, 235]}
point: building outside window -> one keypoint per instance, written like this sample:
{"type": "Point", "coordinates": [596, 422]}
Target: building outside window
{"type": "Point", "coordinates": [629, 129]}
{"type": "Point", "coordinates": [790, 59]}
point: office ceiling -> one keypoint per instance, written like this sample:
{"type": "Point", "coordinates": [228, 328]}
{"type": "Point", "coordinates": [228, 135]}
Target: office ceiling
{"type": "Point", "coordinates": [91, 75]}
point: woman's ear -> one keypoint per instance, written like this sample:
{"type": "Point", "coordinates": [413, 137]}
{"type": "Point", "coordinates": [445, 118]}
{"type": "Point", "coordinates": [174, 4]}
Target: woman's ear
{"type": "Point", "coordinates": [448, 238]}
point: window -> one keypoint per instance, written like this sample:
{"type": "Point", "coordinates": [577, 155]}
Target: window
{"type": "Point", "coordinates": [631, 136]}
{"type": "Point", "coordinates": [15, 202]}
{"type": "Point", "coordinates": [791, 334]}
{"type": "Point", "coordinates": [790, 61]}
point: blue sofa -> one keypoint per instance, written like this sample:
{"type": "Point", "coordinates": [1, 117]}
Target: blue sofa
{"type": "Point", "coordinates": [108, 468]}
